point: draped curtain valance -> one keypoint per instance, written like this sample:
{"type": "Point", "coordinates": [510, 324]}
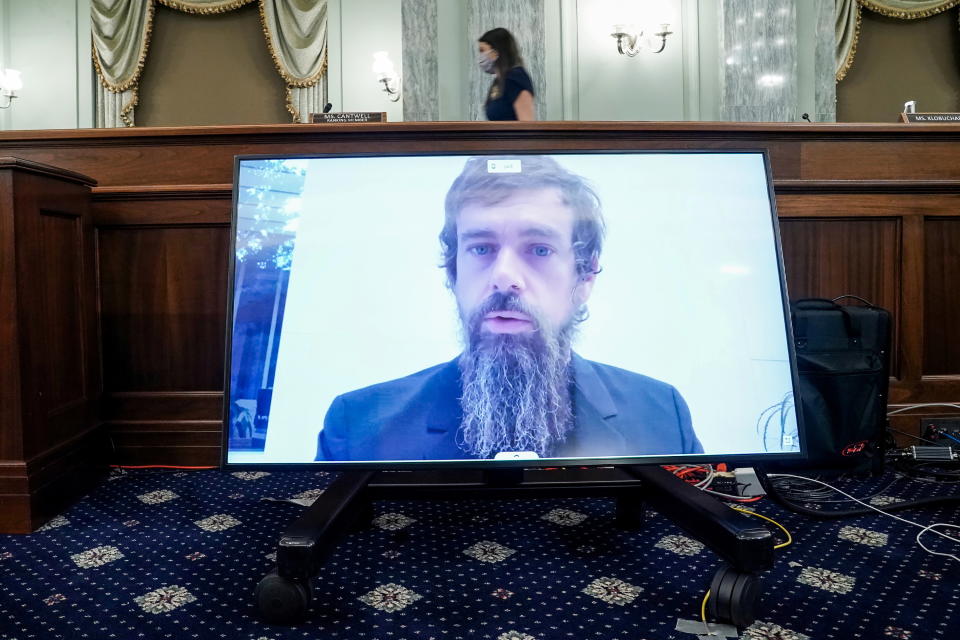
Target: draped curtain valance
{"type": "Point", "coordinates": [848, 22]}
{"type": "Point", "coordinates": [295, 33]}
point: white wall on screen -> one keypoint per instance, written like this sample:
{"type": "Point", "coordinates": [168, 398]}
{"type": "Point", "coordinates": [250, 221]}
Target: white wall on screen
{"type": "Point", "coordinates": [668, 311]}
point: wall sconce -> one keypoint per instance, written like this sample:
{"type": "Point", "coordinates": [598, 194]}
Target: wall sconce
{"type": "Point", "coordinates": [387, 75]}
{"type": "Point", "coordinates": [10, 83]}
{"type": "Point", "coordinates": [636, 42]}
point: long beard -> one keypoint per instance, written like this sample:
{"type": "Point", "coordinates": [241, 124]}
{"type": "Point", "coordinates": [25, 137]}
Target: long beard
{"type": "Point", "coordinates": [516, 387]}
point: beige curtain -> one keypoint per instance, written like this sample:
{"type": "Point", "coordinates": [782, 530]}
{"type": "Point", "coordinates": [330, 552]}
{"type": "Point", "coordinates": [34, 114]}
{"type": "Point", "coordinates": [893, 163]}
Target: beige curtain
{"type": "Point", "coordinates": [848, 22]}
{"type": "Point", "coordinates": [120, 32]}
{"type": "Point", "coordinates": [204, 7]}
{"type": "Point", "coordinates": [295, 31]}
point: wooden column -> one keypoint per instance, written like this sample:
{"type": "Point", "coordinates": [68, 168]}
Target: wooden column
{"type": "Point", "coordinates": [51, 449]}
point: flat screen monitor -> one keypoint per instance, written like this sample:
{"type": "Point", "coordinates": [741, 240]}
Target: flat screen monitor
{"type": "Point", "coordinates": [588, 308]}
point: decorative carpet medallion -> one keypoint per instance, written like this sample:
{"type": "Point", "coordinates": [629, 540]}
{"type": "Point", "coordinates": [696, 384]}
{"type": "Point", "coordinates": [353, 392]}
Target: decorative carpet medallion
{"type": "Point", "coordinates": [96, 557]}
{"type": "Point", "coordinates": [487, 551]}
{"type": "Point", "coordinates": [250, 475]}
{"type": "Point", "coordinates": [308, 497]}
{"type": "Point", "coordinates": [392, 521]}
{"type": "Point", "coordinates": [55, 523]}
{"type": "Point", "coordinates": [761, 630]}
{"type": "Point", "coordinates": [826, 580]}
{"type": "Point", "coordinates": [863, 536]}
{"type": "Point", "coordinates": [680, 545]}
{"type": "Point", "coordinates": [564, 517]}
{"type": "Point", "coordinates": [612, 591]}
{"type": "Point", "coordinates": [164, 599]}
{"type": "Point", "coordinates": [219, 522]}
{"type": "Point", "coordinates": [515, 635]}
{"type": "Point", "coordinates": [157, 497]}
{"type": "Point", "coordinates": [390, 597]}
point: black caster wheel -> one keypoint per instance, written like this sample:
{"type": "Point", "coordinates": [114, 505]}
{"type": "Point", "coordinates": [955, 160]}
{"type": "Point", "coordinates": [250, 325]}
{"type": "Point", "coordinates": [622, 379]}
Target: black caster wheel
{"type": "Point", "coordinates": [282, 600]}
{"type": "Point", "coordinates": [733, 595]}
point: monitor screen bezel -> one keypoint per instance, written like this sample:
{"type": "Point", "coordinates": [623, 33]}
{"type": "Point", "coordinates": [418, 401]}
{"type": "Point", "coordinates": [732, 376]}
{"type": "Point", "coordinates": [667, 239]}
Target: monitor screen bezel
{"type": "Point", "coordinates": [744, 459]}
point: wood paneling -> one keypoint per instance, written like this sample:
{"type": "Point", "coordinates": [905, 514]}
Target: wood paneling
{"type": "Point", "coordinates": [51, 446]}
{"type": "Point", "coordinates": [865, 209]}
{"type": "Point", "coordinates": [826, 258]}
{"type": "Point", "coordinates": [163, 295]}
{"type": "Point", "coordinates": [884, 159]}
{"type": "Point", "coordinates": [941, 296]}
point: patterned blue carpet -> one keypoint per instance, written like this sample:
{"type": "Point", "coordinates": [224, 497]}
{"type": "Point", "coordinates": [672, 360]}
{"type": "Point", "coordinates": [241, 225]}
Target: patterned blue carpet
{"type": "Point", "coordinates": [177, 555]}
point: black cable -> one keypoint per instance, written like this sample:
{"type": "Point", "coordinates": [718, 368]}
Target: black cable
{"type": "Point", "coordinates": [920, 468]}
{"type": "Point", "coordinates": [910, 435]}
{"type": "Point", "coordinates": [820, 494]}
{"type": "Point", "coordinates": [848, 513]}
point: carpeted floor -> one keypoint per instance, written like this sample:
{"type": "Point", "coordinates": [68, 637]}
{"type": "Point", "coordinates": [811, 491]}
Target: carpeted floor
{"type": "Point", "coordinates": [177, 555]}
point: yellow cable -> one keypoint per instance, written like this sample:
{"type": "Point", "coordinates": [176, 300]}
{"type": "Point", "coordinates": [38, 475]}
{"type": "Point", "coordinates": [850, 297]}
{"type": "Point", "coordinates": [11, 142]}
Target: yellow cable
{"type": "Point", "coordinates": [703, 605]}
{"type": "Point", "coordinates": [782, 528]}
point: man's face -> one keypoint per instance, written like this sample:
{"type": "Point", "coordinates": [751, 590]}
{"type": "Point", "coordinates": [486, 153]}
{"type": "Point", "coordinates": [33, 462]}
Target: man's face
{"type": "Point", "coordinates": [523, 247]}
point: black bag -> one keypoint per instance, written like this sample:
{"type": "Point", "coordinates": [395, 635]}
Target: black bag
{"type": "Point", "coordinates": [843, 362]}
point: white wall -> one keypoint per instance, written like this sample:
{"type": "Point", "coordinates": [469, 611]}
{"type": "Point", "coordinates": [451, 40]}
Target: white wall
{"type": "Point", "coordinates": [616, 87]}
{"type": "Point", "coordinates": [49, 43]}
{"type": "Point", "coordinates": [452, 60]}
{"type": "Point", "coordinates": [356, 29]}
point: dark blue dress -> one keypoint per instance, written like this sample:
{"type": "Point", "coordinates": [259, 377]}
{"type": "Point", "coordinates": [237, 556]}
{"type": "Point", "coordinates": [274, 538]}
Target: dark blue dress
{"type": "Point", "coordinates": [499, 105]}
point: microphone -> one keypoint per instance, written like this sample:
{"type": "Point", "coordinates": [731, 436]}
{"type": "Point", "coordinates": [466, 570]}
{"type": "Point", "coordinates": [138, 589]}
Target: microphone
{"type": "Point", "coordinates": [327, 107]}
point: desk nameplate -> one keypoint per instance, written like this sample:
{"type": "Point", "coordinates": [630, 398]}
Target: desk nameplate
{"type": "Point", "coordinates": [349, 116]}
{"type": "Point", "coordinates": [912, 118]}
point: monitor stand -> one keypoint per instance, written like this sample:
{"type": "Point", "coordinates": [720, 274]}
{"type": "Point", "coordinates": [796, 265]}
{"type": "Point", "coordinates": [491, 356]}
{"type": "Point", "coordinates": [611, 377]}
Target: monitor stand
{"type": "Point", "coordinates": [284, 595]}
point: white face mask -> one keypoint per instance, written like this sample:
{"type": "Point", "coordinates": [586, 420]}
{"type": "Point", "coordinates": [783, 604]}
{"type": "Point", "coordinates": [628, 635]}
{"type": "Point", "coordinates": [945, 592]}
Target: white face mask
{"type": "Point", "coordinates": [486, 63]}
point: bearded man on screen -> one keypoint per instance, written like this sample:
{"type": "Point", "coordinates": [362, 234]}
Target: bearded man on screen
{"type": "Point", "coordinates": [521, 247]}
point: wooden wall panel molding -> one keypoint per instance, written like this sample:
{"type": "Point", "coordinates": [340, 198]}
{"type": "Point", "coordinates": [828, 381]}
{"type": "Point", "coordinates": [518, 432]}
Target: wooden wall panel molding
{"type": "Point", "coordinates": [941, 296]}
{"type": "Point", "coordinates": [909, 326]}
{"type": "Point", "coordinates": [888, 159]}
{"type": "Point", "coordinates": [895, 187]}
{"type": "Point", "coordinates": [165, 406]}
{"type": "Point", "coordinates": [867, 205]}
{"type": "Point", "coordinates": [863, 210]}
{"type": "Point", "coordinates": [163, 211]}
{"type": "Point", "coordinates": [166, 428]}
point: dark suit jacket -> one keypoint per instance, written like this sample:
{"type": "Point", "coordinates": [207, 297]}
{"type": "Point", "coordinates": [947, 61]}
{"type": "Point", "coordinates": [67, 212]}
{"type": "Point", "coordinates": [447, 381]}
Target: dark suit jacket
{"type": "Point", "coordinates": [617, 413]}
